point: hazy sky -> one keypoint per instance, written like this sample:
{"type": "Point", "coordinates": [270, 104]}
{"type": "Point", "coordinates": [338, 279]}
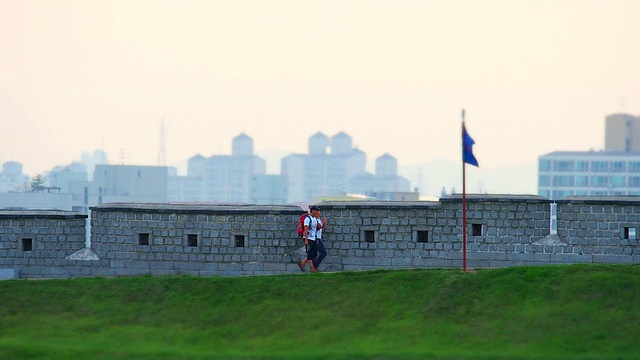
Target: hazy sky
{"type": "Point", "coordinates": [533, 76]}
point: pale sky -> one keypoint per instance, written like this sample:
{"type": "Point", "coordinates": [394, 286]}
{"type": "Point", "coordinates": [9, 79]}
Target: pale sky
{"type": "Point", "coordinates": [533, 76]}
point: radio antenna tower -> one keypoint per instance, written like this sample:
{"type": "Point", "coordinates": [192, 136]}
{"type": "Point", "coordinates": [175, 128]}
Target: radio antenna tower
{"type": "Point", "coordinates": [162, 160]}
{"type": "Point", "coordinates": [123, 155]}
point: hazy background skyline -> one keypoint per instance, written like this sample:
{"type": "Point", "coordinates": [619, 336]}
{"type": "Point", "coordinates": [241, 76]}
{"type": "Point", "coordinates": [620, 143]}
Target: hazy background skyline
{"type": "Point", "coordinates": [533, 76]}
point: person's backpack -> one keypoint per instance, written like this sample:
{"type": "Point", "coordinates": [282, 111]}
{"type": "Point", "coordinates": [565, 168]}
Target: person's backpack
{"type": "Point", "coordinates": [301, 224]}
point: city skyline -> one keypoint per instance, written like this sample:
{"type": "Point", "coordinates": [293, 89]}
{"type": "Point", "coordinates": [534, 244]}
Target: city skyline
{"type": "Point", "coordinates": [431, 179]}
{"type": "Point", "coordinates": [533, 78]}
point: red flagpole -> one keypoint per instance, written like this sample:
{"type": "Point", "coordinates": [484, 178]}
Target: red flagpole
{"type": "Point", "coordinates": [464, 206]}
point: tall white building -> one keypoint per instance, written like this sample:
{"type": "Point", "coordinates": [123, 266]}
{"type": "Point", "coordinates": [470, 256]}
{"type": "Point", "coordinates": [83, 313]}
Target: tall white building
{"type": "Point", "coordinates": [268, 189]}
{"type": "Point", "coordinates": [61, 176]}
{"type": "Point", "coordinates": [132, 183]}
{"type": "Point", "coordinates": [12, 179]}
{"type": "Point", "coordinates": [386, 179]}
{"type": "Point", "coordinates": [184, 189]}
{"type": "Point", "coordinates": [230, 178]}
{"type": "Point", "coordinates": [598, 173]}
{"type": "Point", "coordinates": [91, 159]}
{"type": "Point", "coordinates": [333, 167]}
{"type": "Point", "coordinates": [622, 133]}
{"type": "Point", "coordinates": [615, 171]}
{"type": "Point", "coordinates": [36, 201]}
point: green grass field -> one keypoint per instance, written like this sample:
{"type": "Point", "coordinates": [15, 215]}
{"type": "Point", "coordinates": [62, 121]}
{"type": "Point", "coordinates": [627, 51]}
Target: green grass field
{"type": "Point", "coordinates": [550, 312]}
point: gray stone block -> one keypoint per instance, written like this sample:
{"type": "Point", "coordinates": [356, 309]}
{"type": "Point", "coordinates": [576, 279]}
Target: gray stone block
{"type": "Point", "coordinates": [116, 264]}
{"type": "Point", "coordinates": [137, 265]}
{"type": "Point", "coordinates": [434, 263]}
{"type": "Point", "coordinates": [54, 272]}
{"type": "Point", "coordinates": [399, 262]}
{"type": "Point", "coordinates": [486, 256]}
{"type": "Point", "coordinates": [103, 271]}
{"type": "Point", "coordinates": [520, 257]}
{"type": "Point", "coordinates": [9, 274]}
{"type": "Point", "coordinates": [613, 259]}
{"type": "Point", "coordinates": [131, 272]}
{"type": "Point", "coordinates": [358, 261]}
{"type": "Point", "coordinates": [572, 258]}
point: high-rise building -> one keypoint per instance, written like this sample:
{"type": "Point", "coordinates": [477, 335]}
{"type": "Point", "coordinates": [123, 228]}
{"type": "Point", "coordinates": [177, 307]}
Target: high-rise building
{"type": "Point", "coordinates": [61, 176]}
{"type": "Point", "coordinates": [596, 173]}
{"type": "Point", "coordinates": [90, 160]}
{"type": "Point", "coordinates": [319, 173]}
{"type": "Point", "coordinates": [337, 172]}
{"type": "Point", "coordinates": [622, 133]}
{"type": "Point", "coordinates": [132, 183]}
{"type": "Point", "coordinates": [319, 143]}
{"type": "Point", "coordinates": [12, 179]}
{"type": "Point", "coordinates": [268, 189]}
{"type": "Point", "coordinates": [385, 180]}
{"type": "Point", "coordinates": [228, 178]}
{"type": "Point", "coordinates": [614, 171]}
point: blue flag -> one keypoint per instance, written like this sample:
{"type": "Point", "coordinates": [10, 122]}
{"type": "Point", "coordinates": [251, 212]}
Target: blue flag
{"type": "Point", "coordinates": [467, 148]}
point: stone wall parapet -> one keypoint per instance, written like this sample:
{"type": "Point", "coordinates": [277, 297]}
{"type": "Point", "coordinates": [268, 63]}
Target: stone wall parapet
{"type": "Point", "coordinates": [239, 239]}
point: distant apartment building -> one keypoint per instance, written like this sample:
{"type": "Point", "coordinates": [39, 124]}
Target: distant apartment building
{"type": "Point", "coordinates": [73, 180]}
{"type": "Point", "coordinates": [227, 178]}
{"type": "Point", "coordinates": [614, 171]}
{"type": "Point", "coordinates": [132, 183]}
{"type": "Point", "coordinates": [61, 176]}
{"type": "Point", "coordinates": [91, 159]}
{"type": "Point", "coordinates": [237, 178]}
{"type": "Point", "coordinates": [184, 189]}
{"type": "Point", "coordinates": [36, 201]}
{"type": "Point", "coordinates": [67, 188]}
{"type": "Point", "coordinates": [268, 189]}
{"type": "Point", "coordinates": [12, 179]}
{"type": "Point", "coordinates": [334, 167]}
{"type": "Point", "coordinates": [85, 194]}
{"type": "Point", "coordinates": [622, 133]}
{"type": "Point", "coordinates": [325, 170]}
{"type": "Point", "coordinates": [16, 194]}
{"type": "Point", "coordinates": [64, 188]}
{"type": "Point", "coordinates": [385, 181]}
{"type": "Point", "coordinates": [597, 173]}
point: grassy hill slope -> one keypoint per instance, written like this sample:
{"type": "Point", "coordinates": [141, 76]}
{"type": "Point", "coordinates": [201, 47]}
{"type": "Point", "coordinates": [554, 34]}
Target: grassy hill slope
{"type": "Point", "coordinates": [563, 312]}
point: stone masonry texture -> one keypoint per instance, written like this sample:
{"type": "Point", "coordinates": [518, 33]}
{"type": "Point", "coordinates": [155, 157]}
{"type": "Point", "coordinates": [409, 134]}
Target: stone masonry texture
{"type": "Point", "coordinates": [237, 239]}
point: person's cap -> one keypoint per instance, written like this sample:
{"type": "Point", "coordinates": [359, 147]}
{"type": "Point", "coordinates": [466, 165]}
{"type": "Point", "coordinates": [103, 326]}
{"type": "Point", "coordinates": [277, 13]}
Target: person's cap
{"type": "Point", "coordinates": [314, 207]}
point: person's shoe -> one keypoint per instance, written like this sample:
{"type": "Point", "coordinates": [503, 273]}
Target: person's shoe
{"type": "Point", "coordinates": [301, 264]}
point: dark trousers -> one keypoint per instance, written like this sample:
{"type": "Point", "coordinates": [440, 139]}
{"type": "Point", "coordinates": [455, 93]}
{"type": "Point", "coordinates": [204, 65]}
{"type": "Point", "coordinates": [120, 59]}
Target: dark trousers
{"type": "Point", "coordinates": [312, 250]}
{"type": "Point", "coordinates": [321, 251]}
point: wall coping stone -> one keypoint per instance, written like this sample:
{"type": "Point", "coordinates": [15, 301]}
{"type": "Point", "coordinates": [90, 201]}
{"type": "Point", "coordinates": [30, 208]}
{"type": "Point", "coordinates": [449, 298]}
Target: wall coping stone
{"type": "Point", "coordinates": [41, 214]}
{"type": "Point", "coordinates": [375, 204]}
{"type": "Point", "coordinates": [508, 198]}
{"type": "Point", "coordinates": [199, 208]}
{"type": "Point", "coordinates": [626, 200]}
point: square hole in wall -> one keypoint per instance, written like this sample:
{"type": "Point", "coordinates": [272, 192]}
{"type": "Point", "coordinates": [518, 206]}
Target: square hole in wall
{"type": "Point", "coordinates": [369, 236]}
{"type": "Point", "coordinates": [476, 229]}
{"type": "Point", "coordinates": [422, 236]}
{"type": "Point", "coordinates": [143, 239]}
{"type": "Point", "coordinates": [192, 239]}
{"type": "Point", "coordinates": [630, 233]}
{"type": "Point", "coordinates": [27, 244]}
{"type": "Point", "coordinates": [239, 239]}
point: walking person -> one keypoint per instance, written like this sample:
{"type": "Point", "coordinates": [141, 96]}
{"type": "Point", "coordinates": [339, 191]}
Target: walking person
{"type": "Point", "coordinates": [322, 251]}
{"type": "Point", "coordinates": [310, 231]}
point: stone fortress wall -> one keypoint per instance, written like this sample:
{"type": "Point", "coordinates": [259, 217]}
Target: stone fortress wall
{"type": "Point", "coordinates": [35, 243]}
{"type": "Point", "coordinates": [235, 239]}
